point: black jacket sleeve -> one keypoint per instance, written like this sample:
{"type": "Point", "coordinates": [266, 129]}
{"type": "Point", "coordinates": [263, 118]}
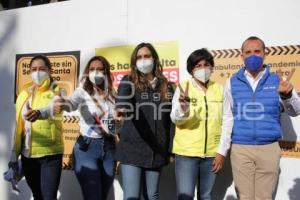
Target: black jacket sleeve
{"type": "Point", "coordinates": [125, 93]}
{"type": "Point", "coordinates": [171, 87]}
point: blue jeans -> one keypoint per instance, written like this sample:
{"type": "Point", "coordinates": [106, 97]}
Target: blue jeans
{"type": "Point", "coordinates": [190, 171]}
{"type": "Point", "coordinates": [94, 166]}
{"type": "Point", "coordinates": [43, 175]}
{"type": "Point", "coordinates": [132, 179]}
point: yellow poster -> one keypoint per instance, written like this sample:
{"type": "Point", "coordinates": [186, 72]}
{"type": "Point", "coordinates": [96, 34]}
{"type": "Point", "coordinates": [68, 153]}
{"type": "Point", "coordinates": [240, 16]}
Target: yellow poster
{"type": "Point", "coordinates": [229, 61]}
{"type": "Point", "coordinates": [70, 130]}
{"type": "Point", "coordinates": [285, 58]}
{"type": "Point", "coordinates": [65, 70]}
{"type": "Point", "coordinates": [119, 59]}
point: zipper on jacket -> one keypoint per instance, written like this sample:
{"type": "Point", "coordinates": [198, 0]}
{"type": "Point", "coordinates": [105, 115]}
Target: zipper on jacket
{"type": "Point", "coordinates": [153, 153]}
{"type": "Point", "coordinates": [32, 99]}
{"type": "Point", "coordinates": [155, 133]}
{"type": "Point", "coordinates": [254, 124]}
{"type": "Point", "coordinates": [206, 119]}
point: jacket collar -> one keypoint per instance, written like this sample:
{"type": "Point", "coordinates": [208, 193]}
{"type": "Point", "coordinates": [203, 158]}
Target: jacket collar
{"type": "Point", "coordinates": [31, 87]}
{"type": "Point", "coordinates": [242, 77]}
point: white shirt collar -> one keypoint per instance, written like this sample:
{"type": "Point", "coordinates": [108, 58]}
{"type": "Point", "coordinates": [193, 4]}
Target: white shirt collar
{"type": "Point", "coordinates": [258, 77]}
{"type": "Point", "coordinates": [254, 81]}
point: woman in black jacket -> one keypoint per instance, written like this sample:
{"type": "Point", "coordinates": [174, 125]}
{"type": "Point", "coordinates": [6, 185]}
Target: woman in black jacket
{"type": "Point", "coordinates": [144, 102]}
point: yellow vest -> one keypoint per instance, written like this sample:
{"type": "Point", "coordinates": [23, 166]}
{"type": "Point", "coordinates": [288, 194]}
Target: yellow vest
{"type": "Point", "coordinates": [46, 135]}
{"type": "Point", "coordinates": [199, 135]}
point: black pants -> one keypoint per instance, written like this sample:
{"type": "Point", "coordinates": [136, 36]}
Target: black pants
{"type": "Point", "coordinates": [43, 175]}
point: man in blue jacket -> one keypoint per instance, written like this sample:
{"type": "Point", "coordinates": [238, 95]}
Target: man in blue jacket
{"type": "Point", "coordinates": [254, 98]}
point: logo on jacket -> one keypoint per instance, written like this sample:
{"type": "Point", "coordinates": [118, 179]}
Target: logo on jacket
{"type": "Point", "coordinates": [269, 88]}
{"type": "Point", "coordinates": [193, 101]}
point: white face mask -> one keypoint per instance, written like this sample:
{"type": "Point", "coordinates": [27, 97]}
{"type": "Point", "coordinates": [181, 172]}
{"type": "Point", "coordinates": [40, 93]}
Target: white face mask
{"type": "Point", "coordinates": [145, 65]}
{"type": "Point", "coordinates": [39, 76]}
{"type": "Point", "coordinates": [96, 77]}
{"type": "Point", "coordinates": [202, 75]}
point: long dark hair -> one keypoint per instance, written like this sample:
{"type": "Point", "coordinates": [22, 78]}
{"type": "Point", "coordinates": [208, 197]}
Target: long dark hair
{"type": "Point", "coordinates": [88, 85]}
{"type": "Point", "coordinates": [140, 81]}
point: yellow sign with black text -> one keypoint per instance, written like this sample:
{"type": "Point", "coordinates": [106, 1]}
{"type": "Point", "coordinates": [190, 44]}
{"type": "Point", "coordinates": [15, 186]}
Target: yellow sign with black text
{"type": "Point", "coordinates": [229, 61]}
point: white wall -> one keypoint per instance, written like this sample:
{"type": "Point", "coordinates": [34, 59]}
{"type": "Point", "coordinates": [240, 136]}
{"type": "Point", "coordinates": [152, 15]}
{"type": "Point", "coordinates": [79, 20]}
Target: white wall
{"type": "Point", "coordinates": [86, 24]}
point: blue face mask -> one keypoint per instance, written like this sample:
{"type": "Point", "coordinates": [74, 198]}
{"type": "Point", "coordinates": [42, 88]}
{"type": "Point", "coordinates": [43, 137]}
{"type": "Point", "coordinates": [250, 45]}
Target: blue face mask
{"type": "Point", "coordinates": [253, 63]}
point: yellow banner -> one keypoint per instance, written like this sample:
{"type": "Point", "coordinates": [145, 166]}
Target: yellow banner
{"type": "Point", "coordinates": [119, 59]}
{"type": "Point", "coordinates": [229, 61]}
{"type": "Point", "coordinates": [64, 71]}
{"type": "Point", "coordinates": [70, 130]}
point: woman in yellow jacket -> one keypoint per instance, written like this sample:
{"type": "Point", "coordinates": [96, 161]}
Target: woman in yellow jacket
{"type": "Point", "coordinates": [197, 113]}
{"type": "Point", "coordinates": [38, 138]}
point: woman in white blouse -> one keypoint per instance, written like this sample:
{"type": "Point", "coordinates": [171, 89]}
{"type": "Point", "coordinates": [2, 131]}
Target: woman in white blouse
{"type": "Point", "coordinates": [94, 150]}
